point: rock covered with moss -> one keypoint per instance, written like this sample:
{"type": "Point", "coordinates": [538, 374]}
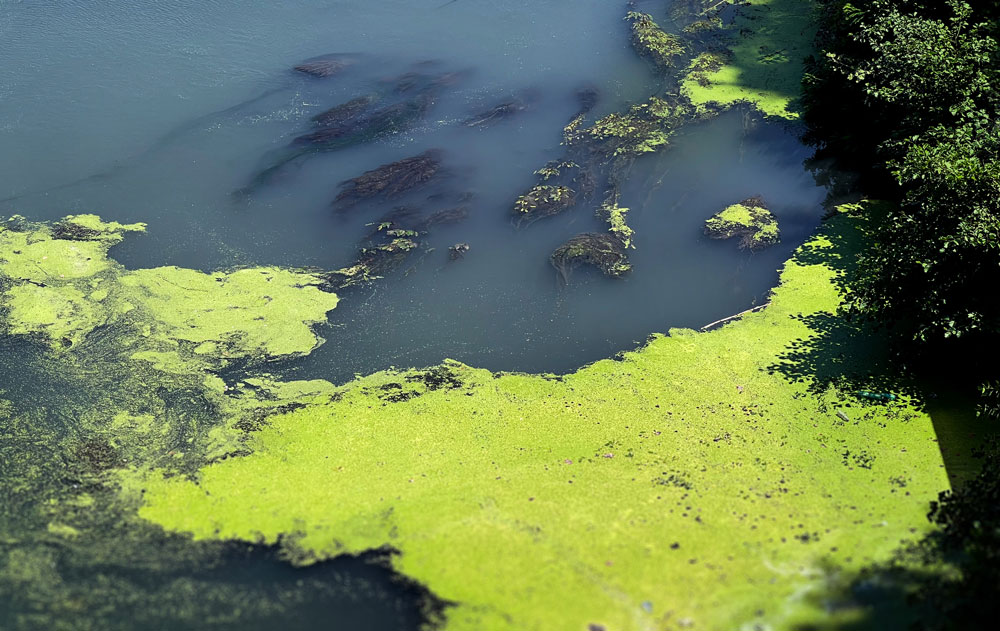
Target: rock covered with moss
{"type": "Point", "coordinates": [750, 220]}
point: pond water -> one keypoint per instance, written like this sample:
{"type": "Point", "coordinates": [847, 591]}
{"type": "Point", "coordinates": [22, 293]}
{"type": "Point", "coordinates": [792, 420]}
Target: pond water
{"type": "Point", "coordinates": [158, 112]}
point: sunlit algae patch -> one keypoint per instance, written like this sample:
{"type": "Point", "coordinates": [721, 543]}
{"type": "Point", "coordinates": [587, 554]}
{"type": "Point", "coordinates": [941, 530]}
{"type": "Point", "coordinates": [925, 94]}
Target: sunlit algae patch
{"type": "Point", "coordinates": [708, 480]}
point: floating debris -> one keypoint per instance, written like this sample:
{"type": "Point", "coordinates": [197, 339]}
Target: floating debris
{"type": "Point", "coordinates": [750, 220]}
{"type": "Point", "coordinates": [457, 251]}
{"type": "Point", "coordinates": [391, 180]}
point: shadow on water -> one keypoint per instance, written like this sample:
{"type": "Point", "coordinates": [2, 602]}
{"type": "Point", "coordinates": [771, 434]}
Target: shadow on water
{"type": "Point", "coordinates": [226, 587]}
{"type": "Point", "coordinates": [916, 587]}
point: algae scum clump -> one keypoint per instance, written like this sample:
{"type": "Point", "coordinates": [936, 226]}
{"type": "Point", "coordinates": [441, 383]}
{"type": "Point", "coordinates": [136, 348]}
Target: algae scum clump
{"type": "Point", "coordinates": [750, 220]}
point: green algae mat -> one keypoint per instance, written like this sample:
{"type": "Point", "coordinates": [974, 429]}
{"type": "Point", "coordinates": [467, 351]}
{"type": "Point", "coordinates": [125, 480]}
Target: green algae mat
{"type": "Point", "coordinates": [712, 480]}
{"type": "Point", "coordinates": [694, 482]}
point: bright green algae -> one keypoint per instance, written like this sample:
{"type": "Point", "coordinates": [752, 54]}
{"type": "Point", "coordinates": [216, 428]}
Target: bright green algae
{"type": "Point", "coordinates": [704, 481]}
{"type": "Point", "coordinates": [750, 220]}
{"type": "Point", "coordinates": [764, 63]}
{"type": "Point", "coordinates": [117, 369]}
{"type": "Point", "coordinates": [62, 286]}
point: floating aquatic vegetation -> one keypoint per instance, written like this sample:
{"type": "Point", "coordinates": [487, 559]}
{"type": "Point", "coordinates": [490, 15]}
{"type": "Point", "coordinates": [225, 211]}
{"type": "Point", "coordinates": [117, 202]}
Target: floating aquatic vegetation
{"type": "Point", "coordinates": [651, 42]}
{"type": "Point", "coordinates": [661, 484]}
{"type": "Point", "coordinates": [750, 220]}
{"type": "Point", "coordinates": [615, 216]}
{"type": "Point", "coordinates": [555, 168]}
{"type": "Point", "coordinates": [60, 291]}
{"type": "Point", "coordinates": [707, 26]}
{"type": "Point", "coordinates": [762, 66]}
{"type": "Point", "coordinates": [644, 128]}
{"type": "Point", "coordinates": [344, 113]}
{"type": "Point", "coordinates": [391, 180]}
{"type": "Point", "coordinates": [541, 201]}
{"type": "Point", "coordinates": [600, 155]}
{"type": "Point", "coordinates": [326, 65]}
{"type": "Point", "coordinates": [373, 262]}
{"type": "Point", "coordinates": [603, 250]}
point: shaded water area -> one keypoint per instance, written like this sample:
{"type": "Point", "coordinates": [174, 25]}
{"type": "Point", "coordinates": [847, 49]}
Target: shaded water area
{"type": "Point", "coordinates": [159, 113]}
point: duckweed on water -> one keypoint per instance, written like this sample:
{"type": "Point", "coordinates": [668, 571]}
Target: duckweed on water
{"type": "Point", "coordinates": [763, 65]}
{"type": "Point", "coordinates": [704, 481]}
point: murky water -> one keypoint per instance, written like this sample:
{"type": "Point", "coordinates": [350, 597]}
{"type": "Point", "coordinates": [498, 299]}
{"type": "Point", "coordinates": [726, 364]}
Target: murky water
{"type": "Point", "coordinates": [157, 112]}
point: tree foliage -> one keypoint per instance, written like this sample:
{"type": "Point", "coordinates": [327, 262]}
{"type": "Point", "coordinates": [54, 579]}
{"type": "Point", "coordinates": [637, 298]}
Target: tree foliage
{"type": "Point", "coordinates": [908, 92]}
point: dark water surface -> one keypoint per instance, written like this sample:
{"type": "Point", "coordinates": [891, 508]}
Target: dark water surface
{"type": "Point", "coordinates": [132, 110]}
{"type": "Point", "coordinates": [95, 87]}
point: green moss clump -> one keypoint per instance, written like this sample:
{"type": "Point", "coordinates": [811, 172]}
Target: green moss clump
{"type": "Point", "coordinates": [644, 128]}
{"type": "Point", "coordinates": [750, 220]}
{"type": "Point", "coordinates": [700, 27]}
{"type": "Point", "coordinates": [651, 42]}
{"type": "Point", "coordinates": [615, 216]}
{"type": "Point", "coordinates": [701, 479]}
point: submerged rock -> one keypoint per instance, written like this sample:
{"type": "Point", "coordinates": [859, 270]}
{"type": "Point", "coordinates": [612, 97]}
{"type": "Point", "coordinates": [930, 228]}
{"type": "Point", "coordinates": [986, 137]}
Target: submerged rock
{"type": "Point", "coordinates": [391, 180]}
{"type": "Point", "coordinates": [345, 112]}
{"type": "Point", "coordinates": [502, 111]}
{"type": "Point", "coordinates": [326, 65]}
{"type": "Point", "coordinates": [750, 220]}
{"type": "Point", "coordinates": [444, 217]}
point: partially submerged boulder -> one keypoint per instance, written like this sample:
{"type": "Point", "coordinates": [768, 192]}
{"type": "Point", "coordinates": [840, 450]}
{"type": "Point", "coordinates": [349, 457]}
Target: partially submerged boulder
{"type": "Point", "coordinates": [750, 220]}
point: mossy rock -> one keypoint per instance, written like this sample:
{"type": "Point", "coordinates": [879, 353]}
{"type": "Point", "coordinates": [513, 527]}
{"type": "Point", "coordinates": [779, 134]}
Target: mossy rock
{"type": "Point", "coordinates": [750, 220]}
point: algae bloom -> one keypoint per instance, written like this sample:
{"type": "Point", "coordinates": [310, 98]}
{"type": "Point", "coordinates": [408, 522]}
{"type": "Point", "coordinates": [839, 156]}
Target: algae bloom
{"type": "Point", "coordinates": [750, 220]}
